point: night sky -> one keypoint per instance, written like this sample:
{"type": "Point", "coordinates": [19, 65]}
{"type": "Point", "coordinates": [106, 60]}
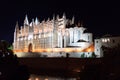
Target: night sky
{"type": "Point", "coordinates": [98, 17]}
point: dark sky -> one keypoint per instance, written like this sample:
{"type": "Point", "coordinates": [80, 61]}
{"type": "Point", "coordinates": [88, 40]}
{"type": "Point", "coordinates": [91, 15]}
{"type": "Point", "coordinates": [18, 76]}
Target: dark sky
{"type": "Point", "coordinates": [100, 17]}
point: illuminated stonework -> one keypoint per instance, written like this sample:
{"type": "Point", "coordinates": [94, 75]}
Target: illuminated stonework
{"type": "Point", "coordinates": [55, 35]}
{"type": "Point", "coordinates": [107, 41]}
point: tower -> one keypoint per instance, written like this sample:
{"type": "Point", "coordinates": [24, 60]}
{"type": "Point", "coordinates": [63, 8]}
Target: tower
{"type": "Point", "coordinates": [16, 31]}
{"type": "Point", "coordinates": [36, 21]}
{"type": "Point", "coordinates": [57, 17]}
{"type": "Point", "coordinates": [16, 35]}
{"type": "Point", "coordinates": [26, 22]}
{"type": "Point", "coordinates": [53, 23]}
{"type": "Point", "coordinates": [64, 20]}
{"type": "Point", "coordinates": [31, 26]}
{"type": "Point", "coordinates": [64, 16]}
{"type": "Point", "coordinates": [73, 20]}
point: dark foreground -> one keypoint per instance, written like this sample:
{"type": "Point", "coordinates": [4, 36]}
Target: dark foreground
{"type": "Point", "coordinates": [65, 67]}
{"type": "Point", "coordinates": [95, 69]}
{"type": "Point", "coordinates": [84, 69]}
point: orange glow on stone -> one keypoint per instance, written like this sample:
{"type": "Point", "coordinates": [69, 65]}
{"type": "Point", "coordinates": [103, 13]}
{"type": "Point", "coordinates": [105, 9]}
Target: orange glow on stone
{"type": "Point", "coordinates": [89, 49]}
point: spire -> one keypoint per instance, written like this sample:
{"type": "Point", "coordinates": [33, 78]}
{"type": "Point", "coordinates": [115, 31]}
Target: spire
{"type": "Point", "coordinates": [16, 31]}
{"type": "Point", "coordinates": [48, 19]}
{"type": "Point", "coordinates": [32, 22]}
{"type": "Point", "coordinates": [73, 20]}
{"type": "Point", "coordinates": [53, 16]}
{"type": "Point", "coordinates": [36, 21]}
{"type": "Point", "coordinates": [17, 26]}
{"type": "Point", "coordinates": [57, 16]}
{"type": "Point", "coordinates": [43, 20]}
{"type": "Point", "coordinates": [64, 16]}
{"type": "Point", "coordinates": [53, 22]}
{"type": "Point", "coordinates": [26, 22]}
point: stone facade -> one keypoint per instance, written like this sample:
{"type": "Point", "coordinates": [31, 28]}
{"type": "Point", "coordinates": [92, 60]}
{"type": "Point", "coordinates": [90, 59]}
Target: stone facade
{"type": "Point", "coordinates": [105, 41]}
{"type": "Point", "coordinates": [57, 33]}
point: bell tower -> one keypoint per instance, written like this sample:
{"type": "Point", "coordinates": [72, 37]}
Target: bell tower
{"type": "Point", "coordinates": [16, 35]}
{"type": "Point", "coordinates": [26, 22]}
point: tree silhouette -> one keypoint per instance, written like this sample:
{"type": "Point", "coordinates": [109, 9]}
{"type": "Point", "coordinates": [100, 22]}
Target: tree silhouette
{"type": "Point", "coordinates": [10, 69]}
{"type": "Point", "coordinates": [83, 55]}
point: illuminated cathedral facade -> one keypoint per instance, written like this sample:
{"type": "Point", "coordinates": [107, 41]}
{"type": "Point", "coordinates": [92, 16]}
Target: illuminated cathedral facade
{"type": "Point", "coordinates": [58, 34]}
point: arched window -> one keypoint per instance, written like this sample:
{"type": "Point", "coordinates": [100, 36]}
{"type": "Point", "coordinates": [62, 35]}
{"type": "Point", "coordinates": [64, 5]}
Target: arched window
{"type": "Point", "coordinates": [30, 47]}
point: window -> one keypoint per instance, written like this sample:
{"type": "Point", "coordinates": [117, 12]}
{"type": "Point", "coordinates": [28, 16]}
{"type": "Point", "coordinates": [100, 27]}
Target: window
{"type": "Point", "coordinates": [108, 40]}
{"type": "Point", "coordinates": [97, 49]}
{"type": "Point", "coordinates": [96, 41]}
{"type": "Point", "coordinates": [103, 40]}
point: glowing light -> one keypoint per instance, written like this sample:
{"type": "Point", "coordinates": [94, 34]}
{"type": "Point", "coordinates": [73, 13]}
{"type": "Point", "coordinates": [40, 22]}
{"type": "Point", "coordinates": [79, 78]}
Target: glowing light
{"type": "Point", "coordinates": [108, 40]}
{"type": "Point", "coordinates": [36, 31]}
{"type": "Point", "coordinates": [77, 70]}
{"type": "Point", "coordinates": [20, 53]}
{"type": "Point", "coordinates": [68, 50]}
{"type": "Point", "coordinates": [3, 55]}
{"type": "Point", "coordinates": [29, 79]}
{"type": "Point", "coordinates": [55, 50]}
{"type": "Point", "coordinates": [78, 50]}
{"type": "Point", "coordinates": [89, 50]}
{"type": "Point", "coordinates": [48, 50]}
{"type": "Point", "coordinates": [8, 53]}
{"type": "Point", "coordinates": [58, 50]}
{"type": "Point", "coordinates": [103, 40]}
{"type": "Point", "coordinates": [46, 78]}
{"type": "Point", "coordinates": [37, 79]}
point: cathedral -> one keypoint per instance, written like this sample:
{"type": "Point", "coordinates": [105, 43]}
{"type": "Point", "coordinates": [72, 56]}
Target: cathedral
{"type": "Point", "coordinates": [58, 34]}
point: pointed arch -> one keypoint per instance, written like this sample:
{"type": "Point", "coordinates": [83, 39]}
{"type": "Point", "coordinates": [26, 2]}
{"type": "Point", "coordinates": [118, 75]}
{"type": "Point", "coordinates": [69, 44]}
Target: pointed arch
{"type": "Point", "coordinates": [30, 47]}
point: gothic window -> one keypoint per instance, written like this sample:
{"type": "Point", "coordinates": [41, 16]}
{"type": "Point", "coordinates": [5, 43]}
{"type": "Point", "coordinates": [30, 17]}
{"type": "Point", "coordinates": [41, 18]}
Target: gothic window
{"type": "Point", "coordinates": [30, 47]}
{"type": "Point", "coordinates": [96, 41]}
